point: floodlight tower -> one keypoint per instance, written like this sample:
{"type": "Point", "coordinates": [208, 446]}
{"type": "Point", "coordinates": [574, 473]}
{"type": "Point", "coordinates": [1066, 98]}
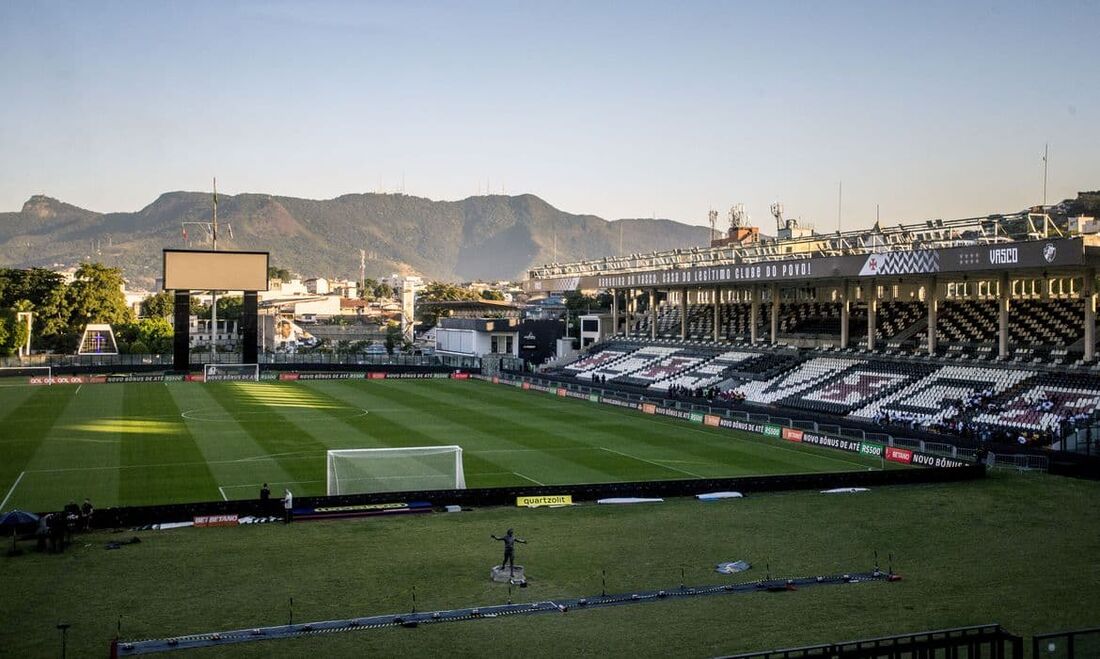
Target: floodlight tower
{"type": "Point", "coordinates": [712, 216]}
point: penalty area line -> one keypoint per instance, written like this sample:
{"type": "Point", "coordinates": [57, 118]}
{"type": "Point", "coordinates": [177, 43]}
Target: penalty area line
{"type": "Point", "coordinates": [224, 498]}
{"type": "Point", "coordinates": [13, 486]}
{"type": "Point", "coordinates": [656, 464]}
{"type": "Point", "coordinates": [528, 478]}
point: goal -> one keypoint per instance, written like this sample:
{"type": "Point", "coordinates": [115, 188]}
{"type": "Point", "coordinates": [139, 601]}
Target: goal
{"type": "Point", "coordinates": [34, 374]}
{"type": "Point", "coordinates": [231, 372]}
{"type": "Point", "coordinates": [358, 471]}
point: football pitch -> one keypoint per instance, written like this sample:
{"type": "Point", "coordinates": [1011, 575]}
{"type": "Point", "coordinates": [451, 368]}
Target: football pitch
{"type": "Point", "coordinates": [155, 443]}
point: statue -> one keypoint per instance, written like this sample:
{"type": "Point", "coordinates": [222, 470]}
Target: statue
{"type": "Point", "coordinates": [509, 541]}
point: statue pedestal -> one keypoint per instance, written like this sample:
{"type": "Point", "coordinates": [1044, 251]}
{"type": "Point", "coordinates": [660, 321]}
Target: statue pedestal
{"type": "Point", "coordinates": [516, 575]}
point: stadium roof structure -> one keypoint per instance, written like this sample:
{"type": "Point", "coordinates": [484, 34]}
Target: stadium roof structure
{"type": "Point", "coordinates": [470, 305]}
{"type": "Point", "coordinates": [996, 242]}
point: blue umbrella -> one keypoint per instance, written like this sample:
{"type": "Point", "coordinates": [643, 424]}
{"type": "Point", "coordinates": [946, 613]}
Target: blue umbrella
{"type": "Point", "coordinates": [15, 519]}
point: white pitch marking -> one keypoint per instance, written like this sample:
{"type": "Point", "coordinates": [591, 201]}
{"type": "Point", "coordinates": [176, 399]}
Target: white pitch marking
{"type": "Point", "coordinates": [656, 464]}
{"type": "Point", "coordinates": [78, 389]}
{"type": "Point", "coordinates": [528, 478]}
{"type": "Point", "coordinates": [224, 498]}
{"type": "Point", "coordinates": [13, 486]}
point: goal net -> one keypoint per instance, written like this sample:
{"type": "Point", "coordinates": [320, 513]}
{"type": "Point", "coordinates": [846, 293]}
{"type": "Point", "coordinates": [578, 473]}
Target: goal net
{"type": "Point", "coordinates": [231, 372]}
{"type": "Point", "coordinates": [358, 471]}
{"type": "Point", "coordinates": [26, 374]}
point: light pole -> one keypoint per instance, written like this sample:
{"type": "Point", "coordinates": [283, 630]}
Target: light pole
{"type": "Point", "coordinates": [211, 229]}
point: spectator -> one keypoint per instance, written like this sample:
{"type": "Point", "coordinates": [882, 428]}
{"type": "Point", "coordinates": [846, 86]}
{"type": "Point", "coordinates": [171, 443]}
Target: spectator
{"type": "Point", "coordinates": [288, 506]}
{"type": "Point", "coordinates": [57, 532]}
{"type": "Point", "coordinates": [43, 532]}
{"type": "Point", "coordinates": [72, 520]}
{"type": "Point", "coordinates": [86, 512]}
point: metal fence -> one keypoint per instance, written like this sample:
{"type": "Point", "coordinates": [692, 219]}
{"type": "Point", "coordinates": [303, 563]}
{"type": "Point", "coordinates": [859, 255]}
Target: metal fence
{"type": "Point", "coordinates": [981, 641]}
{"type": "Point", "coordinates": [270, 359]}
{"type": "Point", "coordinates": [1077, 644]}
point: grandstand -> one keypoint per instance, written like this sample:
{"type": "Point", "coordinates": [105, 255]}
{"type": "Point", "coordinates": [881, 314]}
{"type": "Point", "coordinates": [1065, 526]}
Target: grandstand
{"type": "Point", "coordinates": [984, 327]}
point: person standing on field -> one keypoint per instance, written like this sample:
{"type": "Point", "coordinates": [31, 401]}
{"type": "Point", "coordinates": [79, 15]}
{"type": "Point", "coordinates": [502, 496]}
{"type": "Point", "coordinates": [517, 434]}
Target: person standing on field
{"type": "Point", "coordinates": [265, 500]}
{"type": "Point", "coordinates": [288, 505]}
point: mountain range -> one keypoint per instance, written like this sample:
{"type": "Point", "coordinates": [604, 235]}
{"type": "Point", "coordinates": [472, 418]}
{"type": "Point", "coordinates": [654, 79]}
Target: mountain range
{"type": "Point", "coordinates": [491, 237]}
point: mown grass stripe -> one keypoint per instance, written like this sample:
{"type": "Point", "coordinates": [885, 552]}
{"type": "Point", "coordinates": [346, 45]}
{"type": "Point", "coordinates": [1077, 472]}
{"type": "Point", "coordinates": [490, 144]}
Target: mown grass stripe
{"type": "Point", "coordinates": [164, 441]}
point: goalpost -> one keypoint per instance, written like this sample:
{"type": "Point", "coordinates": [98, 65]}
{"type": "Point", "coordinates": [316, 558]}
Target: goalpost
{"type": "Point", "coordinates": [231, 372]}
{"type": "Point", "coordinates": [358, 471]}
{"type": "Point", "coordinates": [34, 374]}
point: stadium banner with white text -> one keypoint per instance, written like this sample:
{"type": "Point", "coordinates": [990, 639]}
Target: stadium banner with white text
{"type": "Point", "coordinates": [902, 455]}
{"type": "Point", "coordinates": [841, 443]}
{"type": "Point", "coordinates": [215, 520]}
{"type": "Point", "coordinates": [336, 375]}
{"type": "Point", "coordinates": [792, 434]}
{"type": "Point", "coordinates": [936, 461]}
{"type": "Point", "coordinates": [58, 379]}
{"type": "Point", "coordinates": [1060, 252]}
{"type": "Point", "coordinates": [873, 449]}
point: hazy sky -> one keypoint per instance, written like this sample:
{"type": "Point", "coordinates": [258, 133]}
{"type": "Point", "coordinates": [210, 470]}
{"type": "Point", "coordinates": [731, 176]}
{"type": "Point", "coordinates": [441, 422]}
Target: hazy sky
{"type": "Point", "coordinates": [623, 109]}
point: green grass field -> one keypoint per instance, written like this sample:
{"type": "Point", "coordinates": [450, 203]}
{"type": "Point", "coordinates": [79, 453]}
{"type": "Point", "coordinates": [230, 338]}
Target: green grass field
{"type": "Point", "coordinates": [1019, 550]}
{"type": "Point", "coordinates": [133, 444]}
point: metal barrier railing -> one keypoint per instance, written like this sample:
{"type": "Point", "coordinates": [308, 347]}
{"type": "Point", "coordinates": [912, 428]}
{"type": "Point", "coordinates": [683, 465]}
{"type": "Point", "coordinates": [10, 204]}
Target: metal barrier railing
{"type": "Point", "coordinates": [1076, 644]}
{"type": "Point", "coordinates": [1019, 462]}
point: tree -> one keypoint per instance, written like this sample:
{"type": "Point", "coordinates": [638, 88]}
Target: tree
{"type": "Point", "coordinates": [7, 325]}
{"type": "Point", "coordinates": [96, 297]}
{"type": "Point", "coordinates": [366, 292]}
{"type": "Point", "coordinates": [282, 274]}
{"type": "Point", "coordinates": [229, 307]}
{"type": "Point", "coordinates": [438, 291]}
{"type": "Point", "coordinates": [393, 336]}
{"type": "Point", "coordinates": [160, 305]}
{"type": "Point", "coordinates": [492, 295]}
{"type": "Point", "coordinates": [383, 290]}
{"type": "Point", "coordinates": [43, 292]}
{"type": "Point", "coordinates": [151, 335]}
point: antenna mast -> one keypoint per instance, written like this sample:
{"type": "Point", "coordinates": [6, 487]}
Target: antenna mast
{"type": "Point", "coordinates": [777, 213]}
{"type": "Point", "coordinates": [839, 203]}
{"type": "Point", "coordinates": [738, 217]}
{"type": "Point", "coordinates": [1046, 153]}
